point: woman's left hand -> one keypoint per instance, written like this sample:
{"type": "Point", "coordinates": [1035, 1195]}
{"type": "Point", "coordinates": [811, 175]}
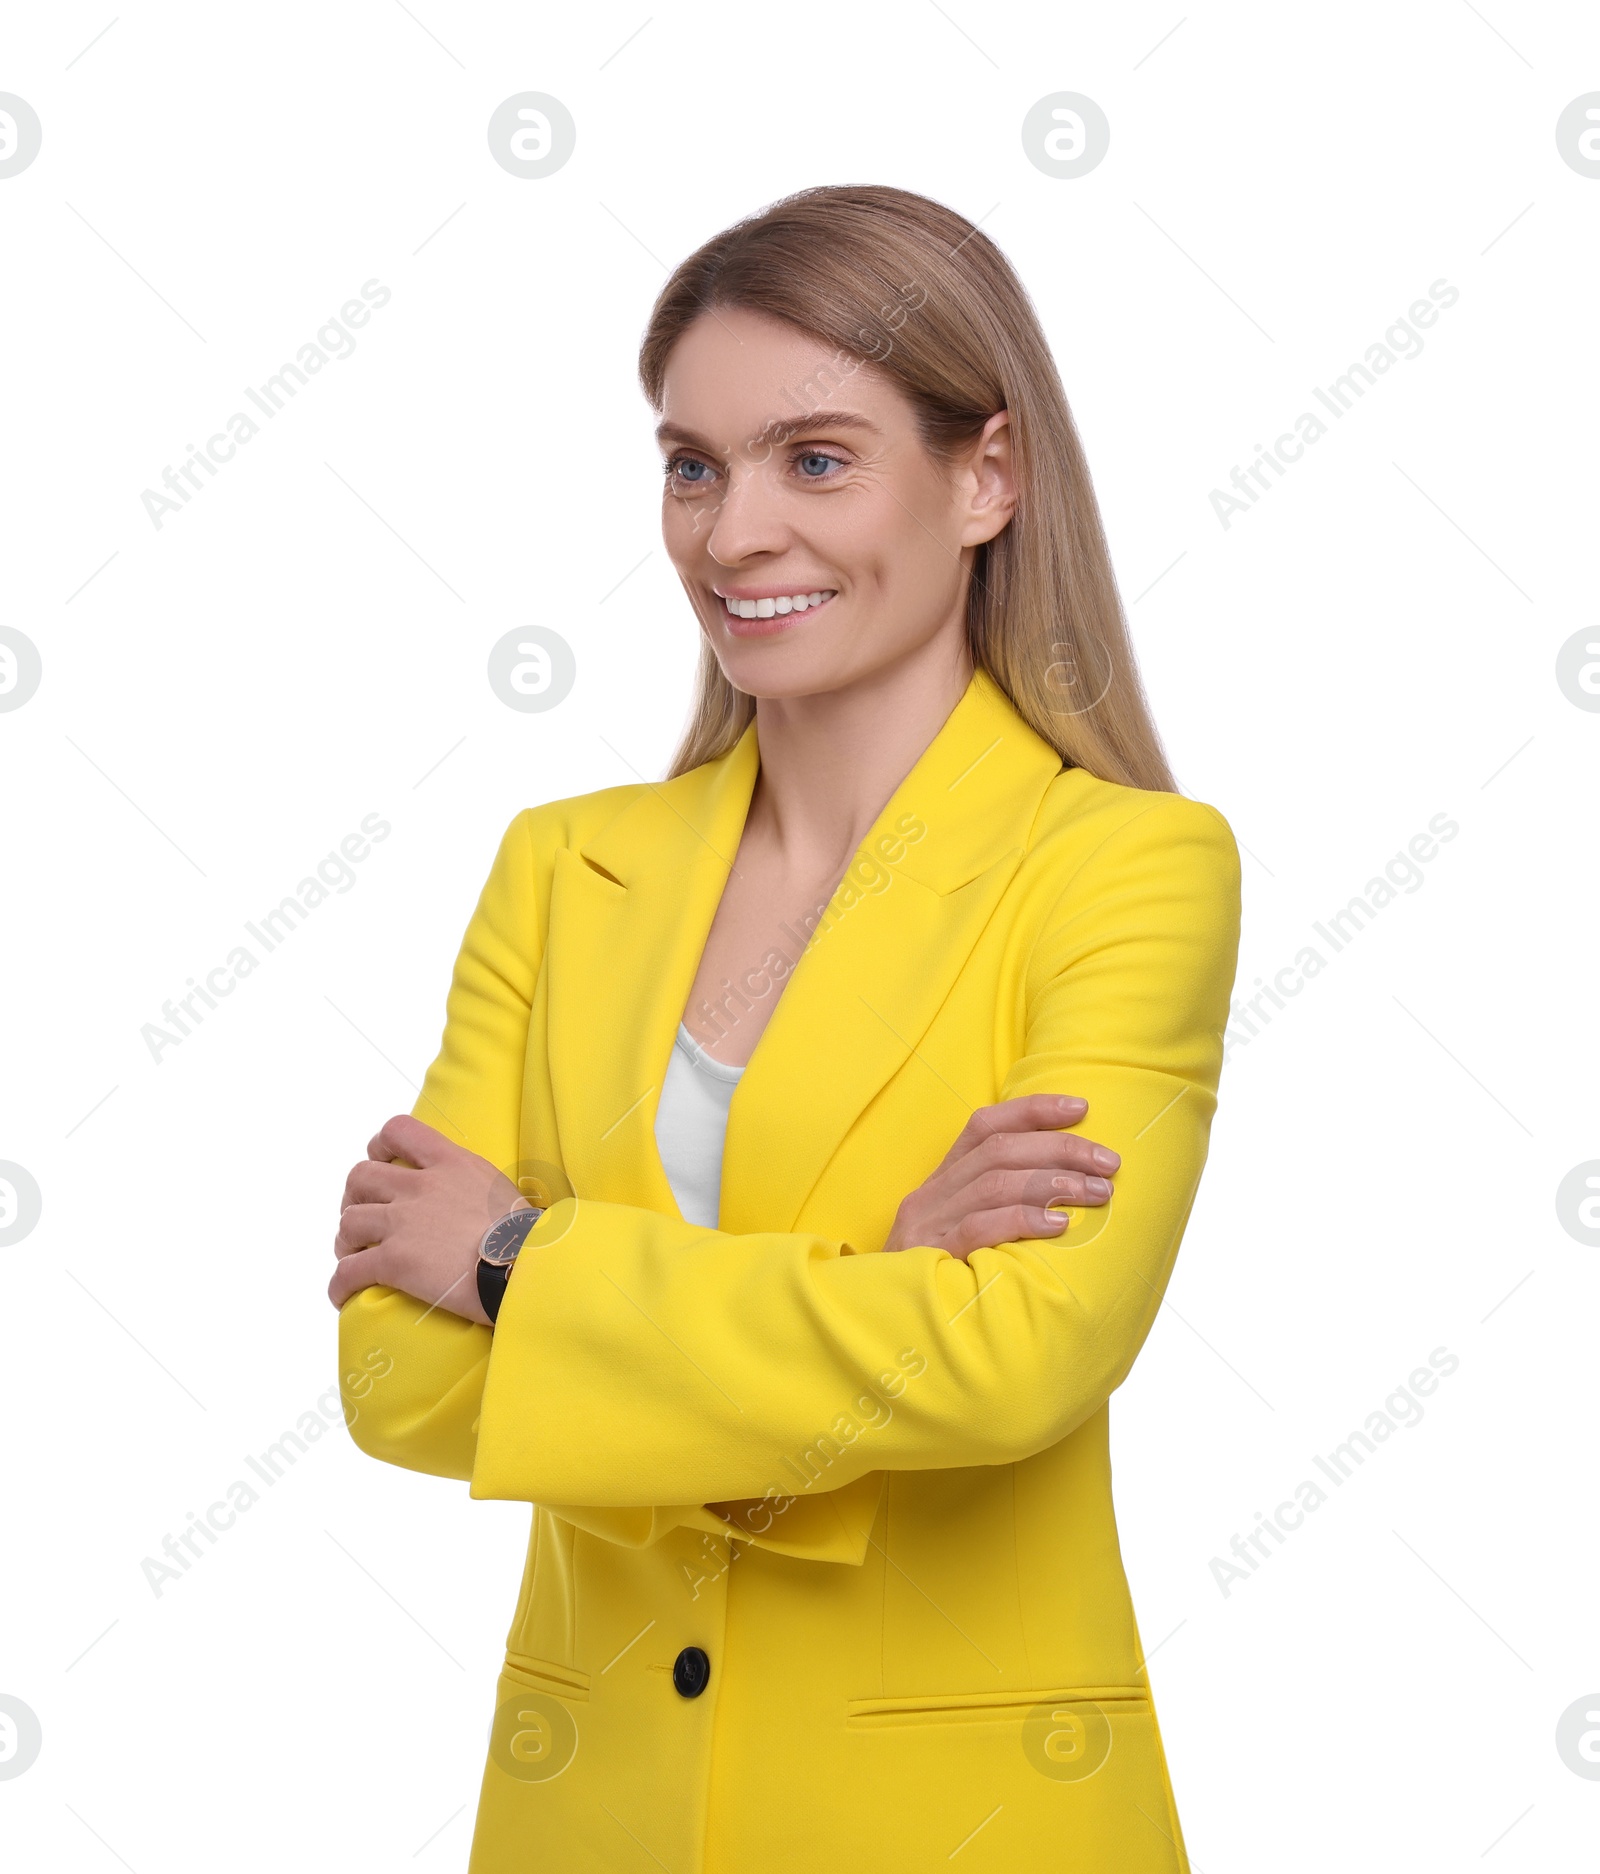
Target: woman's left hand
{"type": "Point", "coordinates": [414, 1212]}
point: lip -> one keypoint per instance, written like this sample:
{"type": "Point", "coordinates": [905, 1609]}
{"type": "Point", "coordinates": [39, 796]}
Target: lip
{"type": "Point", "coordinates": [768, 627]}
{"type": "Point", "coordinates": [772, 592]}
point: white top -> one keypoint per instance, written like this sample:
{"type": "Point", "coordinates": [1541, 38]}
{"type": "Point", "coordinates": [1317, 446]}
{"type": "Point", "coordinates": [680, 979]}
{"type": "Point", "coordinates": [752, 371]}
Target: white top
{"type": "Point", "coordinates": [691, 1122]}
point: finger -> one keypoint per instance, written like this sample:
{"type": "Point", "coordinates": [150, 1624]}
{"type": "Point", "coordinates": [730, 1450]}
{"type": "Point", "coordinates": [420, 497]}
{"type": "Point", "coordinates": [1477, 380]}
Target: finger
{"type": "Point", "coordinates": [1052, 1151]}
{"type": "Point", "coordinates": [1000, 1190]}
{"type": "Point", "coordinates": [353, 1274]}
{"type": "Point", "coordinates": [408, 1139]}
{"type": "Point", "coordinates": [1032, 1112]}
{"type": "Point", "coordinates": [1071, 1187]}
{"type": "Point", "coordinates": [362, 1225]}
{"type": "Point", "coordinates": [1028, 1112]}
{"type": "Point", "coordinates": [375, 1181]}
{"type": "Point", "coordinates": [1012, 1223]}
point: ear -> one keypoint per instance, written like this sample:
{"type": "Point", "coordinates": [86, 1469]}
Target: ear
{"type": "Point", "coordinates": [988, 483]}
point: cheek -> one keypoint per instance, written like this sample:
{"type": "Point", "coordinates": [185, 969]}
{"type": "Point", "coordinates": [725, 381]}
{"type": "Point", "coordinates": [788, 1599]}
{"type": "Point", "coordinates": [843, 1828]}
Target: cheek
{"type": "Point", "coordinates": [872, 533]}
{"type": "Point", "coordinates": [908, 548]}
{"type": "Point", "coordinates": [684, 527]}
{"type": "Point", "coordinates": [912, 526]}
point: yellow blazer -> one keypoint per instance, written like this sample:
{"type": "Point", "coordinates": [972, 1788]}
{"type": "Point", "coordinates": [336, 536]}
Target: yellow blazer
{"type": "Point", "coordinates": [909, 1594]}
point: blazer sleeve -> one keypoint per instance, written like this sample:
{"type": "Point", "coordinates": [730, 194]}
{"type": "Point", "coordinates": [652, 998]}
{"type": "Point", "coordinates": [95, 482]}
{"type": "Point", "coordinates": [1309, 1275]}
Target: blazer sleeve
{"type": "Point", "coordinates": [412, 1378]}
{"type": "Point", "coordinates": [640, 1359]}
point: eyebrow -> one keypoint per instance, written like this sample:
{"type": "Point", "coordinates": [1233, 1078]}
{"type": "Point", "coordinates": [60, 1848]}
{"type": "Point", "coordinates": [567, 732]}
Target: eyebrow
{"type": "Point", "coordinates": [778, 428]}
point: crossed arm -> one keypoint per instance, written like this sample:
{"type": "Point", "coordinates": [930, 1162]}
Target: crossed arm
{"type": "Point", "coordinates": [639, 1360]}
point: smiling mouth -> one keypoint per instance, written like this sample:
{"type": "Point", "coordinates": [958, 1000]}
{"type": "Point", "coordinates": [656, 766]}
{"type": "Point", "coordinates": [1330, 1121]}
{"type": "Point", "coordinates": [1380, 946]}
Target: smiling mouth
{"type": "Point", "coordinates": [779, 606]}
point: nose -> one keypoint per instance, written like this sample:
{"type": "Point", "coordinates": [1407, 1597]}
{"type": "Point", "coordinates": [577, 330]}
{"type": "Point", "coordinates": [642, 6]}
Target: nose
{"type": "Point", "coordinates": [747, 520]}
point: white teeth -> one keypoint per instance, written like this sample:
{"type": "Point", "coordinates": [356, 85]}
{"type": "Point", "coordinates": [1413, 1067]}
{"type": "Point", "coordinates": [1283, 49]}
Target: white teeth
{"type": "Point", "coordinates": [776, 608]}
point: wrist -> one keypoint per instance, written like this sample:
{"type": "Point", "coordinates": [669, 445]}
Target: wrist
{"type": "Point", "coordinates": [497, 1255]}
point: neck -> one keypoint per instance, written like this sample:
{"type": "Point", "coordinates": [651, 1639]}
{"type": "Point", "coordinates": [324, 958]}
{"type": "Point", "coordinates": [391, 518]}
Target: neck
{"type": "Point", "coordinates": [830, 763]}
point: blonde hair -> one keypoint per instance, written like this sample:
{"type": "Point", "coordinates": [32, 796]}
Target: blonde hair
{"type": "Point", "coordinates": [903, 284]}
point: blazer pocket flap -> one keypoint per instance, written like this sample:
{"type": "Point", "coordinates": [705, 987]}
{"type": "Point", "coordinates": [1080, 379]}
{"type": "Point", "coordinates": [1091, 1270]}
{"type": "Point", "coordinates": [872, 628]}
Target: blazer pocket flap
{"type": "Point", "coordinates": [543, 1675]}
{"type": "Point", "coordinates": [957, 1707]}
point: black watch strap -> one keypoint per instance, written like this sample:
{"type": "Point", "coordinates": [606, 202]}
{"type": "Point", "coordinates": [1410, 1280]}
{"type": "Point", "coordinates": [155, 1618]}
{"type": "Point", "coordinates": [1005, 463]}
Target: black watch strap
{"type": "Point", "coordinates": [492, 1280]}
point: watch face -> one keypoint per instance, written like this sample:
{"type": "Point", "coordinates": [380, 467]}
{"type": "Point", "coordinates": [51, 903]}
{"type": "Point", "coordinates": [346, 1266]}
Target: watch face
{"type": "Point", "coordinates": [502, 1240]}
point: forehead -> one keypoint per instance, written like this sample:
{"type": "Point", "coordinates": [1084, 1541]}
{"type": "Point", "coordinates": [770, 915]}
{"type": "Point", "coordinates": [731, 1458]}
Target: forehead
{"type": "Point", "coordinates": [747, 374]}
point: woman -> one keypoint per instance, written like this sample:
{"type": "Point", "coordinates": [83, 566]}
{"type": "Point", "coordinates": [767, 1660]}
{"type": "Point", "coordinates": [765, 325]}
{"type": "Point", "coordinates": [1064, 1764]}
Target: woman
{"type": "Point", "coordinates": [823, 1570]}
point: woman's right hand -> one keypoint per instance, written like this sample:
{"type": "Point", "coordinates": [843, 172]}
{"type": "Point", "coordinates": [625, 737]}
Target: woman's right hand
{"type": "Point", "coordinates": [995, 1183]}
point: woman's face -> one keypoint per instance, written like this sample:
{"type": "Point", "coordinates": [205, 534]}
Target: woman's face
{"type": "Point", "coordinates": [794, 471]}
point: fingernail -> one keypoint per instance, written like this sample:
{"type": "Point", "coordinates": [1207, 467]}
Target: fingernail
{"type": "Point", "coordinates": [1072, 1104]}
{"type": "Point", "coordinates": [1110, 1159]}
{"type": "Point", "coordinates": [1097, 1187]}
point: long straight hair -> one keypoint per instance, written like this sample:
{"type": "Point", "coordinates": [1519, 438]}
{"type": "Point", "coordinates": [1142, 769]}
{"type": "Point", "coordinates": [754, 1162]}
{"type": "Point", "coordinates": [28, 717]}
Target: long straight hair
{"type": "Point", "coordinates": [903, 285]}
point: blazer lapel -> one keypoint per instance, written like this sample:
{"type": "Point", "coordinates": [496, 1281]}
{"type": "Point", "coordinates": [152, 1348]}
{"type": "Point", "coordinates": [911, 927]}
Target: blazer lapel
{"type": "Point", "coordinates": [629, 915]}
{"type": "Point", "coordinates": [885, 956]}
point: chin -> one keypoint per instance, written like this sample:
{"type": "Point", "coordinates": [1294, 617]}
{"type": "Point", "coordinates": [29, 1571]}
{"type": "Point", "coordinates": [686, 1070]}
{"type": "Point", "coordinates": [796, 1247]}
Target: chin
{"type": "Point", "coordinates": [778, 657]}
{"type": "Point", "coordinates": [777, 677]}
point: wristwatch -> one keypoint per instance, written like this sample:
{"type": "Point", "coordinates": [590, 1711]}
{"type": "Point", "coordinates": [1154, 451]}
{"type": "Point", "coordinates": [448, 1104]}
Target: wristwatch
{"type": "Point", "coordinates": [498, 1251]}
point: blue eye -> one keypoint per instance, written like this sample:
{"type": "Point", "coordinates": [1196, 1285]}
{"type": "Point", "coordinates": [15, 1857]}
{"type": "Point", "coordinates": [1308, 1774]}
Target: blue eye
{"type": "Point", "coordinates": [815, 474]}
{"type": "Point", "coordinates": [678, 469]}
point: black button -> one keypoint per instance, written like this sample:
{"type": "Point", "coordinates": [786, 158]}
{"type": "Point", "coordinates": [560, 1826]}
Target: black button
{"type": "Point", "coordinates": [691, 1672]}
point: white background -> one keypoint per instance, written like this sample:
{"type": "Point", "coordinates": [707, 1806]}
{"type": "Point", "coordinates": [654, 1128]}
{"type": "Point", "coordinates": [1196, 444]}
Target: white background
{"type": "Point", "coordinates": [224, 699]}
